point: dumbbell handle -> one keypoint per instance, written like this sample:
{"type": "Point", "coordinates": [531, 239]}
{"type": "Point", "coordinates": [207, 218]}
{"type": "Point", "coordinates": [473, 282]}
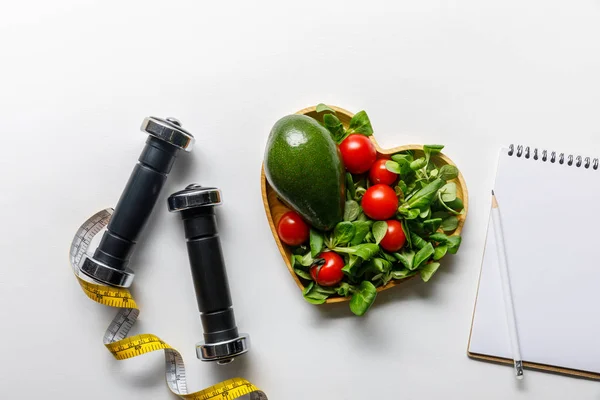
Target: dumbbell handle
{"type": "Point", "coordinates": [209, 274]}
{"type": "Point", "coordinates": [136, 203]}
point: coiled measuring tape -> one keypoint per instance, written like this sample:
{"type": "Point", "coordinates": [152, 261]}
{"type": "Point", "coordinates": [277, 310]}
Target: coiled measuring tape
{"type": "Point", "coordinates": [123, 347]}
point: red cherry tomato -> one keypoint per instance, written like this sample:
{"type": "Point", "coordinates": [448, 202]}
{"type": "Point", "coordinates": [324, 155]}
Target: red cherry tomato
{"type": "Point", "coordinates": [380, 202]}
{"type": "Point", "coordinates": [330, 273]}
{"type": "Point", "coordinates": [394, 238]}
{"type": "Point", "coordinates": [380, 174]}
{"type": "Point", "coordinates": [292, 229]}
{"type": "Point", "coordinates": [358, 153]}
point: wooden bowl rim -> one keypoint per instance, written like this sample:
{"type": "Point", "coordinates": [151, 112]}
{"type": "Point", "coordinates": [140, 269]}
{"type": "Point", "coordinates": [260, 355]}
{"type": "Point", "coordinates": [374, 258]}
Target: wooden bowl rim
{"type": "Point", "coordinates": [392, 283]}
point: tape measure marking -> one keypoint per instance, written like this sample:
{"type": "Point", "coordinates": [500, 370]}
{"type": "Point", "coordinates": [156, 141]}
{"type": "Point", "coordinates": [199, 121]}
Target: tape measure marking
{"type": "Point", "coordinates": [123, 347]}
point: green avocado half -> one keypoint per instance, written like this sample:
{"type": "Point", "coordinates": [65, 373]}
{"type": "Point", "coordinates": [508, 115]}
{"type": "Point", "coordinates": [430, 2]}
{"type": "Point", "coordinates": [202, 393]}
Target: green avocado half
{"type": "Point", "coordinates": [303, 165]}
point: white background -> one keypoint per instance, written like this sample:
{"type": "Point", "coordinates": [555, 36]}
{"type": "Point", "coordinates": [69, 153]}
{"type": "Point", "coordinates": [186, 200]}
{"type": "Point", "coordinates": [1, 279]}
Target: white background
{"type": "Point", "coordinates": [78, 77]}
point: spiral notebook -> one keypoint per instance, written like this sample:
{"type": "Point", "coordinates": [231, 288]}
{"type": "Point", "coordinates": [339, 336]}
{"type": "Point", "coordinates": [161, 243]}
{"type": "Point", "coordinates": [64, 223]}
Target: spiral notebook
{"type": "Point", "coordinates": [548, 206]}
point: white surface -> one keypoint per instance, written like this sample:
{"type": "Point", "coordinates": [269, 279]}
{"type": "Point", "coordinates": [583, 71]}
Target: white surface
{"type": "Point", "coordinates": [76, 80]}
{"type": "Point", "coordinates": [554, 278]}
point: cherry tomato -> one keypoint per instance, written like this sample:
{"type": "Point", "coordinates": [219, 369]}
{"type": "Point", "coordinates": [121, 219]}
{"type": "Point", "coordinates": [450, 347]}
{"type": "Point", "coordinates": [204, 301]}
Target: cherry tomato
{"type": "Point", "coordinates": [380, 202]}
{"type": "Point", "coordinates": [358, 153]}
{"type": "Point", "coordinates": [394, 238]}
{"type": "Point", "coordinates": [292, 229]}
{"type": "Point", "coordinates": [380, 174]}
{"type": "Point", "coordinates": [330, 273]}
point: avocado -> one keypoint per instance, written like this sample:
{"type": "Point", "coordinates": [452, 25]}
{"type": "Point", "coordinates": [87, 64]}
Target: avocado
{"type": "Point", "coordinates": [304, 167]}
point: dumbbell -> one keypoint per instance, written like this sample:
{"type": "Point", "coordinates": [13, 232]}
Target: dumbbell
{"type": "Point", "coordinates": [222, 342]}
{"type": "Point", "coordinates": [166, 138]}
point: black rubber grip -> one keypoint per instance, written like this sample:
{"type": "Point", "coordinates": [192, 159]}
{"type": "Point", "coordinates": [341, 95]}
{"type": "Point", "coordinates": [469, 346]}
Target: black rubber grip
{"type": "Point", "coordinates": [219, 326]}
{"type": "Point", "coordinates": [209, 274]}
{"type": "Point", "coordinates": [136, 203]}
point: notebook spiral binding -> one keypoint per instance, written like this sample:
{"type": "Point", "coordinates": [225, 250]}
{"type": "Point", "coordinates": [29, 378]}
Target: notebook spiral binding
{"type": "Point", "coordinates": [526, 152]}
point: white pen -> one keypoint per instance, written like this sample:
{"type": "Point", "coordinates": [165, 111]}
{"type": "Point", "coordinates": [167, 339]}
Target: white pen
{"type": "Point", "coordinates": [507, 293]}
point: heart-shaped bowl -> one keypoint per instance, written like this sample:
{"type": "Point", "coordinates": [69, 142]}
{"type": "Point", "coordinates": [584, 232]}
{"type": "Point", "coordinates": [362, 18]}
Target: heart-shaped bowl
{"type": "Point", "coordinates": [275, 209]}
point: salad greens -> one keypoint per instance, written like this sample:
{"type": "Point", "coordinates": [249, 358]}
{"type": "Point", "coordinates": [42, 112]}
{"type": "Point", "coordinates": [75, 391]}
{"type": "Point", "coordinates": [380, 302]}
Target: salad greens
{"type": "Point", "coordinates": [428, 209]}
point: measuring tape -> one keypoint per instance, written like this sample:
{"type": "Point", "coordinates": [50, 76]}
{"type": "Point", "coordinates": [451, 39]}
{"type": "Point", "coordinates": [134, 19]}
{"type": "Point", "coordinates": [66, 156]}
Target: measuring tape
{"type": "Point", "coordinates": [123, 347]}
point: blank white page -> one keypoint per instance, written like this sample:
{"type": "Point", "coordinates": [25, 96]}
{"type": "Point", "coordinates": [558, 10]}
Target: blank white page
{"type": "Point", "coordinates": [550, 221]}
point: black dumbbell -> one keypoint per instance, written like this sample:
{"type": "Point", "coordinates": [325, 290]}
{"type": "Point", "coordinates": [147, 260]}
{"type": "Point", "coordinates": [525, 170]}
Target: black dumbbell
{"type": "Point", "coordinates": [222, 342]}
{"type": "Point", "coordinates": [109, 262]}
